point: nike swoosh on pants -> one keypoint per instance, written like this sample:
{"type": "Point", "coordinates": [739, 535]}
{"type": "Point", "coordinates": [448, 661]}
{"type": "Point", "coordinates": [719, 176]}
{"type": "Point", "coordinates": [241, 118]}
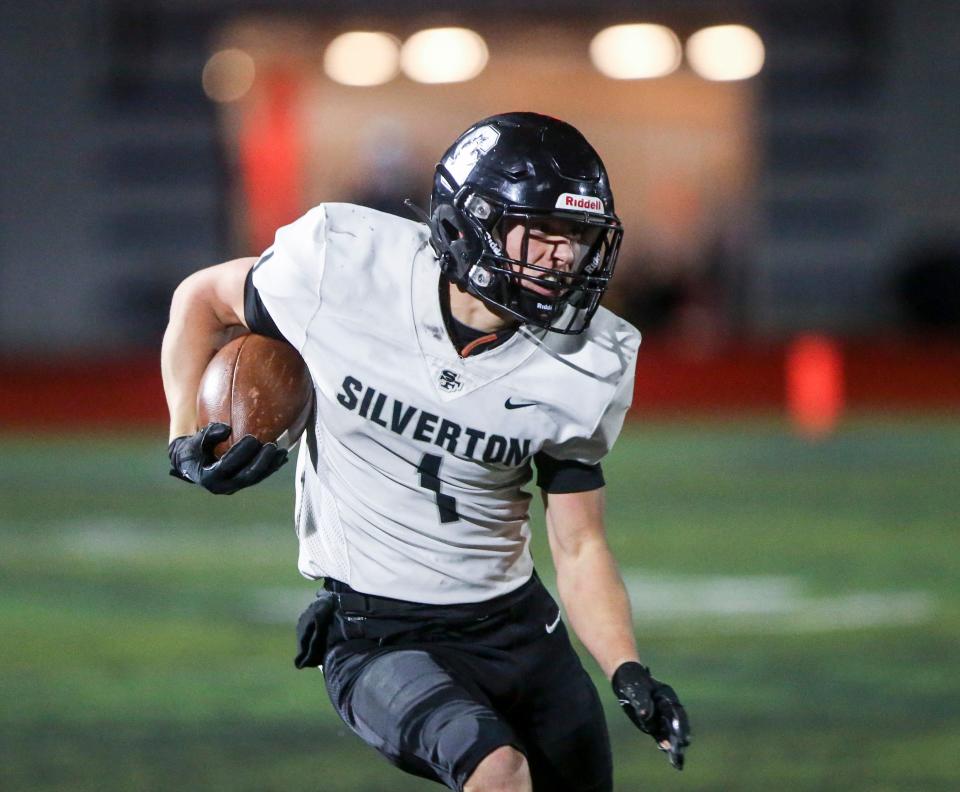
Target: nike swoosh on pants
{"type": "Point", "coordinates": [552, 627]}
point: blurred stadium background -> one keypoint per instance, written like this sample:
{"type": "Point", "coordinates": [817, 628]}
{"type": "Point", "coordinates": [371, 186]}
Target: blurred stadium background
{"type": "Point", "coordinates": [785, 500]}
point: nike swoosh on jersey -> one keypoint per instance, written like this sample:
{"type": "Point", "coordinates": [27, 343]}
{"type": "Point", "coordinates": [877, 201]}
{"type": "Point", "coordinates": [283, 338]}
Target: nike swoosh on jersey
{"type": "Point", "coordinates": [512, 405]}
{"type": "Point", "coordinates": [552, 627]}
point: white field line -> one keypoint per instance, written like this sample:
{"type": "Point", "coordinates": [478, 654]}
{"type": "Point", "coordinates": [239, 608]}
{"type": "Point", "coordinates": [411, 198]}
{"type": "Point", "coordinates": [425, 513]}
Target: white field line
{"type": "Point", "coordinates": [119, 540]}
{"type": "Point", "coordinates": [673, 603]}
{"type": "Point", "coordinates": [113, 539]}
{"type": "Point", "coordinates": [765, 604]}
{"type": "Point", "coordinates": [280, 605]}
{"type": "Point", "coordinates": [705, 604]}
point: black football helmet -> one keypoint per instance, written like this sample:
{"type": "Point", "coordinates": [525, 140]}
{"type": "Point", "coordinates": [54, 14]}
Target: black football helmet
{"type": "Point", "coordinates": [529, 170]}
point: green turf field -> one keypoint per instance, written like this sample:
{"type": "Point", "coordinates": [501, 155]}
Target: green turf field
{"type": "Point", "coordinates": [803, 599]}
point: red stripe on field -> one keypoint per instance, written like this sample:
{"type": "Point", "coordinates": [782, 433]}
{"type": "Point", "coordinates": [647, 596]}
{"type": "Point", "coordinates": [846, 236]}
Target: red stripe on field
{"type": "Point", "coordinates": [128, 392]}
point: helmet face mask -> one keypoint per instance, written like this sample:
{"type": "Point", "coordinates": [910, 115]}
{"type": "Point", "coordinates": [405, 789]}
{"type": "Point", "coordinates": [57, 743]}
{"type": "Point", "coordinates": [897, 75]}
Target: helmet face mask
{"type": "Point", "coordinates": [542, 293]}
{"type": "Point", "coordinates": [518, 182]}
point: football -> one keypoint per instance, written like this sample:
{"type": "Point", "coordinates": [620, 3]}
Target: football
{"type": "Point", "coordinates": [259, 386]}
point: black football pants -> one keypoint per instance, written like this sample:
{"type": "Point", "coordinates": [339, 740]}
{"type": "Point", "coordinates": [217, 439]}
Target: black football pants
{"type": "Point", "coordinates": [435, 689]}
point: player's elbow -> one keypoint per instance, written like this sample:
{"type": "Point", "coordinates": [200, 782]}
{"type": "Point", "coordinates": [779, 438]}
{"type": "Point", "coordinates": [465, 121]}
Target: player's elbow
{"type": "Point", "coordinates": [187, 295]}
{"type": "Point", "coordinates": [215, 293]}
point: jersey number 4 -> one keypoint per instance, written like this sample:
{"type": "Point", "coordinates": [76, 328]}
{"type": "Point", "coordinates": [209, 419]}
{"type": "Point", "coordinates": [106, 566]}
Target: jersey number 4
{"type": "Point", "coordinates": [429, 470]}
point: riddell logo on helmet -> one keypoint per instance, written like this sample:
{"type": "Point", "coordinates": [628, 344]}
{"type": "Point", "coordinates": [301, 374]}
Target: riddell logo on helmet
{"type": "Point", "coordinates": [585, 203]}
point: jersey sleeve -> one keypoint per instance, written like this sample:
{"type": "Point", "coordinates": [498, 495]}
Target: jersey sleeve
{"type": "Point", "coordinates": [574, 465]}
{"type": "Point", "coordinates": [566, 475]}
{"type": "Point", "coordinates": [284, 287]}
{"type": "Point", "coordinates": [255, 314]}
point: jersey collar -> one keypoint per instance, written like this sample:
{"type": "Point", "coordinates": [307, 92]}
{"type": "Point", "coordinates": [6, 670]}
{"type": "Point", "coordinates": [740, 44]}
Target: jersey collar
{"type": "Point", "coordinates": [439, 353]}
{"type": "Point", "coordinates": [468, 340]}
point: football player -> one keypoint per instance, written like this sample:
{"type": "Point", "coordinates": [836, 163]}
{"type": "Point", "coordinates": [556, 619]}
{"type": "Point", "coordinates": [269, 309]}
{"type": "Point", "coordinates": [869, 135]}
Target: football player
{"type": "Point", "coordinates": [451, 358]}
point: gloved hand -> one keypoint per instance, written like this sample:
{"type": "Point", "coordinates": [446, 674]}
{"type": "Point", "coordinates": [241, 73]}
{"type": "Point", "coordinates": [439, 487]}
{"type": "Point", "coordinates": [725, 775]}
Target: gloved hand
{"type": "Point", "coordinates": [246, 463]}
{"type": "Point", "coordinates": [654, 709]}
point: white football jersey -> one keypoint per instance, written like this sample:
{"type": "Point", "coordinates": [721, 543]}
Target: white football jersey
{"type": "Point", "coordinates": [411, 482]}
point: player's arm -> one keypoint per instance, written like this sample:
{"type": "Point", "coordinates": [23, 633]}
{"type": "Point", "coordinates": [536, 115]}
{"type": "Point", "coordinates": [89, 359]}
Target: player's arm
{"type": "Point", "coordinates": [598, 609]}
{"type": "Point", "coordinates": [589, 583]}
{"type": "Point", "coordinates": [206, 312]}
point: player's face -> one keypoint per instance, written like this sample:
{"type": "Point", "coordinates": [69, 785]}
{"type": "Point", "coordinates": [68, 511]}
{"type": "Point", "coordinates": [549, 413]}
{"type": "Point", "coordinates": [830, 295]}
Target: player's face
{"type": "Point", "coordinates": [554, 245]}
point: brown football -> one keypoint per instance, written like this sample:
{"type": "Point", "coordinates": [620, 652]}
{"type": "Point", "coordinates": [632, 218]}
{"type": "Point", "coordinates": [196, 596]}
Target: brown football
{"type": "Point", "coordinates": [259, 386]}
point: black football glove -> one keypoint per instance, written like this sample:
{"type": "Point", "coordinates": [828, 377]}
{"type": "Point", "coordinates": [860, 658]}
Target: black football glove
{"type": "Point", "coordinates": [247, 462]}
{"type": "Point", "coordinates": [654, 709]}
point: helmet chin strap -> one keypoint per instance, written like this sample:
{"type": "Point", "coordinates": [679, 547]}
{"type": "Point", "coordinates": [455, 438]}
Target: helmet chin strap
{"type": "Point", "coordinates": [530, 304]}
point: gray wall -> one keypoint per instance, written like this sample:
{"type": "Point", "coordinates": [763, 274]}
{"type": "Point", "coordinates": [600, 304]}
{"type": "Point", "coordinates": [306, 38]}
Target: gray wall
{"type": "Point", "coordinates": [48, 267]}
{"type": "Point", "coordinates": [111, 174]}
{"type": "Point", "coordinates": [112, 185]}
{"type": "Point", "coordinates": [919, 123]}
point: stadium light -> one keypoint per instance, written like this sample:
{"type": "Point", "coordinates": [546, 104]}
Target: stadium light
{"type": "Point", "coordinates": [726, 52]}
{"type": "Point", "coordinates": [362, 58]}
{"type": "Point", "coordinates": [228, 75]}
{"type": "Point", "coordinates": [634, 52]}
{"type": "Point", "coordinates": [444, 55]}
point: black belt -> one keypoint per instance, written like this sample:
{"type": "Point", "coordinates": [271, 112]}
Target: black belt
{"type": "Point", "coordinates": [352, 601]}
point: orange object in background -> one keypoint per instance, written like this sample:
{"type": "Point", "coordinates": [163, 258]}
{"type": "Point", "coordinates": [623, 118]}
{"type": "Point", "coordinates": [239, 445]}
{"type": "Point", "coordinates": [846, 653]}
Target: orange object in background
{"type": "Point", "coordinates": [815, 386]}
{"type": "Point", "coordinates": [271, 160]}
